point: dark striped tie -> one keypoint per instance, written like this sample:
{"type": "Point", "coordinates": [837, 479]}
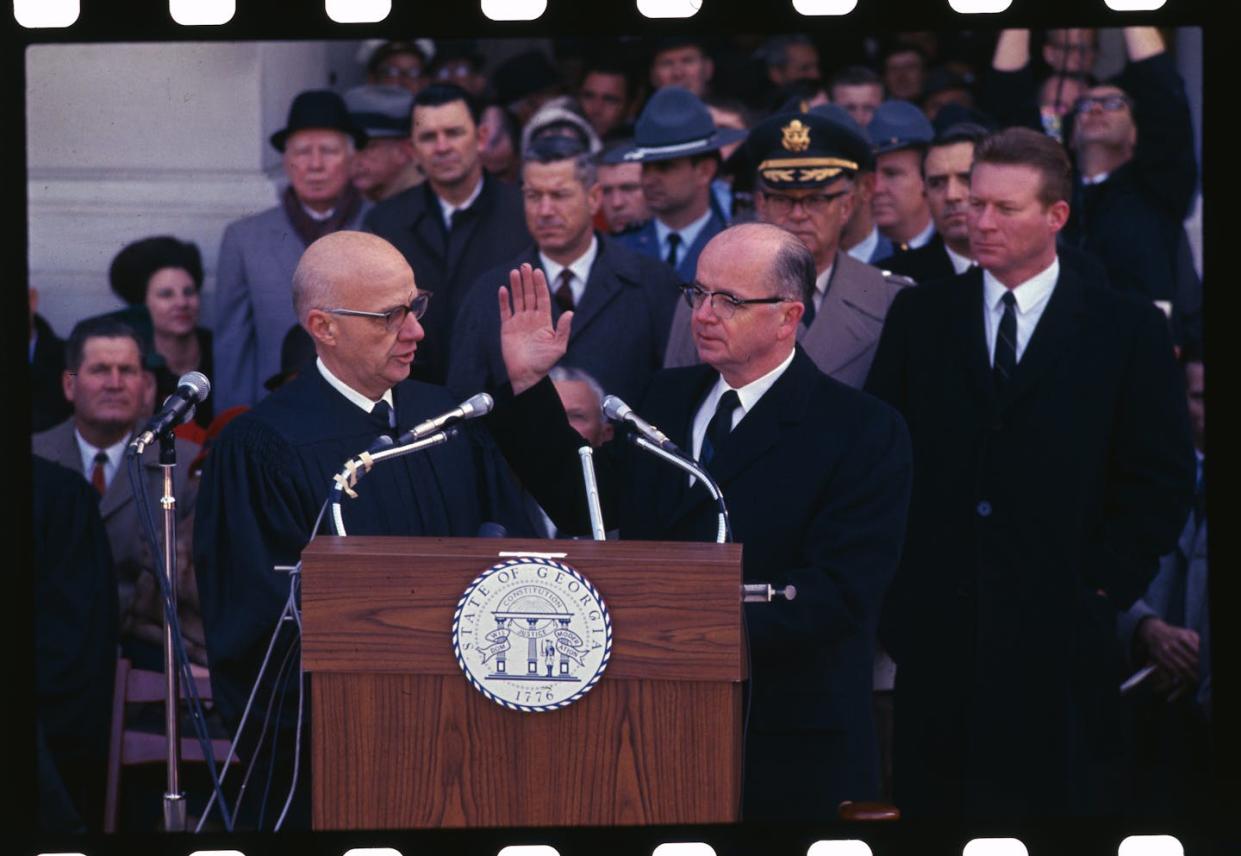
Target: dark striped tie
{"type": "Point", "coordinates": [1006, 343]}
{"type": "Point", "coordinates": [674, 241]}
{"type": "Point", "coordinates": [720, 426]}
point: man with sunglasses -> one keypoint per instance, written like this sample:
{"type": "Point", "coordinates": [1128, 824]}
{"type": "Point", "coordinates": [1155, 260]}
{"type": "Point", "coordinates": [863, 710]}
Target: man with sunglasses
{"type": "Point", "coordinates": [805, 165]}
{"type": "Point", "coordinates": [815, 476]}
{"type": "Point", "coordinates": [265, 481]}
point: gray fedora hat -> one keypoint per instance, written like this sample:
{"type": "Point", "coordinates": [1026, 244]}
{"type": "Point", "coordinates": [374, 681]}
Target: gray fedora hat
{"type": "Point", "coordinates": [674, 124]}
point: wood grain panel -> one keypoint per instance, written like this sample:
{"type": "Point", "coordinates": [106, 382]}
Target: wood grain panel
{"type": "Point", "coordinates": [386, 604]}
{"type": "Point", "coordinates": [415, 751]}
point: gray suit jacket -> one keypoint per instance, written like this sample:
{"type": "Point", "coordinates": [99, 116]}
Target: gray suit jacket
{"type": "Point", "coordinates": [254, 303]}
{"type": "Point", "coordinates": [118, 508]}
{"type": "Point", "coordinates": [844, 334]}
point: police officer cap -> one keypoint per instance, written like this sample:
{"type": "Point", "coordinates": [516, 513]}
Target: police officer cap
{"type": "Point", "coordinates": [800, 150]}
{"type": "Point", "coordinates": [899, 125]}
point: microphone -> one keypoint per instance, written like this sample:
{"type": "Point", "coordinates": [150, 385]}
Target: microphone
{"type": "Point", "coordinates": [192, 388]}
{"type": "Point", "coordinates": [471, 408]}
{"type": "Point", "coordinates": [618, 411]}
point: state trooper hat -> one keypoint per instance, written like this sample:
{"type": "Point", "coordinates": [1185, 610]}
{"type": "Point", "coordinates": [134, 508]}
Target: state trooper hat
{"type": "Point", "coordinates": [898, 125]}
{"type": "Point", "coordinates": [674, 124]}
{"type": "Point", "coordinates": [381, 111]}
{"type": "Point", "coordinates": [804, 150]}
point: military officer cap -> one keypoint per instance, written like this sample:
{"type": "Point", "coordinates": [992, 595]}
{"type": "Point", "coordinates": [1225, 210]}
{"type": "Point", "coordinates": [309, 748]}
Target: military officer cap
{"type": "Point", "coordinates": [899, 125]}
{"type": "Point", "coordinates": [800, 150]}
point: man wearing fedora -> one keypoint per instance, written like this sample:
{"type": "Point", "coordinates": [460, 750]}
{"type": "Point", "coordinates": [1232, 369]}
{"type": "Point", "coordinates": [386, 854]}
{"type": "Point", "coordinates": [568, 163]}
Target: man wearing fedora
{"type": "Point", "coordinates": [385, 165]}
{"type": "Point", "coordinates": [805, 164]}
{"type": "Point", "coordinates": [457, 224]}
{"type": "Point", "coordinates": [678, 145]}
{"type": "Point", "coordinates": [899, 136]}
{"type": "Point", "coordinates": [253, 300]}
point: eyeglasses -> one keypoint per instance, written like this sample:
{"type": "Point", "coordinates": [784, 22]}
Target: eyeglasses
{"type": "Point", "coordinates": [395, 317]}
{"type": "Point", "coordinates": [1110, 103]}
{"type": "Point", "coordinates": [814, 203]}
{"type": "Point", "coordinates": [723, 304]}
{"type": "Point", "coordinates": [391, 72]}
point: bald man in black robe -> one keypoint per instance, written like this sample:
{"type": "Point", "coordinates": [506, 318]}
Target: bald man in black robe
{"type": "Point", "coordinates": [268, 475]}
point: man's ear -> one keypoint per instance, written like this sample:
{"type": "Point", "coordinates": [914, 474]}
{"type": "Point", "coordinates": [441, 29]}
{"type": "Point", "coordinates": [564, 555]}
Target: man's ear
{"type": "Point", "coordinates": [321, 328]}
{"type": "Point", "coordinates": [594, 198]}
{"type": "Point", "coordinates": [1058, 215]}
{"type": "Point", "coordinates": [68, 383]}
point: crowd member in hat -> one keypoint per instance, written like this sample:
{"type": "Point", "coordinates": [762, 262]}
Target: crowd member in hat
{"type": "Point", "coordinates": [460, 62]}
{"type": "Point", "coordinates": [1027, 530]}
{"type": "Point", "coordinates": [399, 63]}
{"type": "Point", "coordinates": [607, 94]}
{"type": "Point", "coordinates": [385, 165]}
{"type": "Point", "coordinates": [622, 302]}
{"type": "Point", "coordinates": [253, 306]}
{"type": "Point", "coordinates": [623, 205]}
{"type": "Point", "coordinates": [460, 222]}
{"type": "Point", "coordinates": [946, 173]}
{"type": "Point", "coordinates": [858, 90]}
{"type": "Point", "coordinates": [681, 61]}
{"type": "Point", "coordinates": [899, 134]}
{"type": "Point", "coordinates": [678, 146]}
{"type": "Point", "coordinates": [805, 165]}
{"type": "Point", "coordinates": [815, 475]}
{"type": "Point", "coordinates": [164, 276]}
{"type": "Point", "coordinates": [944, 86]}
{"type": "Point", "coordinates": [525, 82]}
{"type": "Point", "coordinates": [561, 118]}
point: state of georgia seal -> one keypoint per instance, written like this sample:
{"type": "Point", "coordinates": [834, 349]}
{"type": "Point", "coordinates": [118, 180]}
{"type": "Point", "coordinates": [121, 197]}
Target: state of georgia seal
{"type": "Point", "coordinates": [532, 634]}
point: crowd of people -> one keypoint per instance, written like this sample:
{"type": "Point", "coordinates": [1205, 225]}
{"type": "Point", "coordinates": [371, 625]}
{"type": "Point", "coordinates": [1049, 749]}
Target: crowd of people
{"type": "Point", "coordinates": [926, 308]}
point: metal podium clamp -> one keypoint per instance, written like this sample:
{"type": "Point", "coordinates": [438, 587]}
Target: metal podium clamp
{"type": "Point", "coordinates": [765, 592]}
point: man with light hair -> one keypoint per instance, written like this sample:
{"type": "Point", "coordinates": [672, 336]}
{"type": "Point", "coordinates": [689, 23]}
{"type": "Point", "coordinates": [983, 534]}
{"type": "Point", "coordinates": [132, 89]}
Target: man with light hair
{"type": "Point", "coordinates": [268, 474]}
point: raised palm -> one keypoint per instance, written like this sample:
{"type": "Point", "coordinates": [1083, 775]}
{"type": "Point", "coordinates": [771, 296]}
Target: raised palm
{"type": "Point", "coordinates": [529, 344]}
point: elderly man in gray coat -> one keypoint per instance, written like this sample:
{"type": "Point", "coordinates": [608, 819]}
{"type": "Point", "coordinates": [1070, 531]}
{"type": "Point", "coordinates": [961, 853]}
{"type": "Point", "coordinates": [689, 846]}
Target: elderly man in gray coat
{"type": "Point", "coordinates": [254, 303]}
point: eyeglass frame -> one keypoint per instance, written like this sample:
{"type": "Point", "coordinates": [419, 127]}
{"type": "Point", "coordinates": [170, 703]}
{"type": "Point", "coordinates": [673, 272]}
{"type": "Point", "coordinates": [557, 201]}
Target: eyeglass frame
{"type": "Point", "coordinates": [409, 308]}
{"type": "Point", "coordinates": [821, 200]}
{"type": "Point", "coordinates": [689, 290]}
{"type": "Point", "coordinates": [391, 72]}
{"type": "Point", "coordinates": [1107, 103]}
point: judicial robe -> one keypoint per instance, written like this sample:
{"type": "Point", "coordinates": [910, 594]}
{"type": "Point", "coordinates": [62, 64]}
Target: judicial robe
{"type": "Point", "coordinates": [263, 485]}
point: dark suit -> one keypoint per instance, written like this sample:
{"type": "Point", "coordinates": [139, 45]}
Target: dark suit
{"type": "Point", "coordinates": [1024, 509]}
{"type": "Point", "coordinates": [842, 338]}
{"type": "Point", "coordinates": [646, 242]}
{"type": "Point", "coordinates": [924, 264]}
{"type": "Point", "coordinates": [489, 232]}
{"type": "Point", "coordinates": [620, 327]}
{"type": "Point", "coordinates": [816, 480]}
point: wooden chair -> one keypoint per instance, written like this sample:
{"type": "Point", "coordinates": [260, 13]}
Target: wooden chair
{"type": "Point", "coordinates": [128, 748]}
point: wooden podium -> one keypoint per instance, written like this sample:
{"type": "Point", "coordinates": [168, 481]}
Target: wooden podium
{"type": "Point", "coordinates": [401, 740]}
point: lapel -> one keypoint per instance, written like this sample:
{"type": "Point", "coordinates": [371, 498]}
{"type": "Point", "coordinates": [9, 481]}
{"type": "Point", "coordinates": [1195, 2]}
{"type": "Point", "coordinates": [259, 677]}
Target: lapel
{"type": "Point", "coordinates": [1061, 321]}
{"type": "Point", "coordinates": [849, 320]}
{"type": "Point", "coordinates": [603, 285]}
{"type": "Point", "coordinates": [683, 406]}
{"type": "Point", "coordinates": [428, 224]}
{"type": "Point", "coordinates": [465, 225]}
{"type": "Point", "coordinates": [970, 332]}
{"type": "Point", "coordinates": [688, 266]}
{"type": "Point", "coordinates": [119, 494]}
{"type": "Point", "coordinates": [755, 435]}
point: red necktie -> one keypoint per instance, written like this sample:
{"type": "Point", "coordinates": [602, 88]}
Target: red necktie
{"type": "Point", "coordinates": [96, 473]}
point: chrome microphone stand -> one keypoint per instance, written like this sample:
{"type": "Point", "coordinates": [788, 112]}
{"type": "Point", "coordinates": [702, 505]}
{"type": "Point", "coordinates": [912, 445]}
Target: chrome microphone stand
{"type": "Point", "coordinates": [174, 797]}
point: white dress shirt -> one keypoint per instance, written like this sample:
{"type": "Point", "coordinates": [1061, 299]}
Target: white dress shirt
{"type": "Point", "coordinates": [748, 395]}
{"type": "Point", "coordinates": [357, 398]}
{"type": "Point", "coordinates": [448, 209]}
{"type": "Point", "coordinates": [821, 282]}
{"type": "Point", "coordinates": [114, 452]}
{"type": "Point", "coordinates": [960, 263]}
{"type": "Point", "coordinates": [688, 234]}
{"type": "Point", "coordinates": [580, 267]}
{"type": "Point", "coordinates": [922, 238]}
{"type": "Point", "coordinates": [1032, 296]}
{"type": "Point", "coordinates": [864, 249]}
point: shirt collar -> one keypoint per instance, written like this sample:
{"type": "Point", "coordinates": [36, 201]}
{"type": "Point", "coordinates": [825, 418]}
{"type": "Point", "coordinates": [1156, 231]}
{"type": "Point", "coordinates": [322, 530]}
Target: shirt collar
{"type": "Point", "coordinates": [1029, 294]}
{"type": "Point", "coordinates": [448, 209]}
{"type": "Point", "coordinates": [1095, 179]}
{"type": "Point", "coordinates": [580, 266]}
{"type": "Point", "coordinates": [960, 263]}
{"type": "Point", "coordinates": [87, 451]}
{"type": "Point", "coordinates": [864, 249]}
{"type": "Point", "coordinates": [821, 281]}
{"type": "Point", "coordinates": [923, 238]}
{"type": "Point", "coordinates": [752, 391]}
{"type": "Point", "coordinates": [688, 233]}
{"type": "Point", "coordinates": [355, 397]}
{"type": "Point", "coordinates": [317, 216]}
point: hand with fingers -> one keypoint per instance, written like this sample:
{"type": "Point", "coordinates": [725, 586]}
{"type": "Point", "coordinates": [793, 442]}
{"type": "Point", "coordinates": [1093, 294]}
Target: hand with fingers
{"type": "Point", "coordinates": [1174, 650]}
{"type": "Point", "coordinates": [529, 343]}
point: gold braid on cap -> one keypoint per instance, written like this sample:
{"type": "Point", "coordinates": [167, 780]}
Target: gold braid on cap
{"type": "Point", "coordinates": [783, 170]}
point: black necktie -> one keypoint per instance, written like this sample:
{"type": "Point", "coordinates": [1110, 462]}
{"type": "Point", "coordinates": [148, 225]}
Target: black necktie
{"type": "Point", "coordinates": [720, 426]}
{"type": "Point", "coordinates": [383, 412]}
{"type": "Point", "coordinates": [807, 317]}
{"type": "Point", "coordinates": [674, 241]}
{"type": "Point", "coordinates": [1006, 343]}
{"type": "Point", "coordinates": [564, 291]}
